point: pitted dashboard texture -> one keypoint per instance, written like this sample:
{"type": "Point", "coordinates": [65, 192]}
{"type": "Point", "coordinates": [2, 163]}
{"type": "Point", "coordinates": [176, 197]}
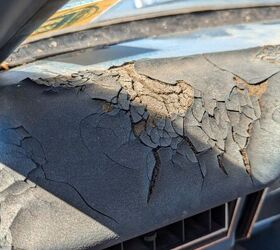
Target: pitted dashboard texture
{"type": "Point", "coordinates": [98, 157]}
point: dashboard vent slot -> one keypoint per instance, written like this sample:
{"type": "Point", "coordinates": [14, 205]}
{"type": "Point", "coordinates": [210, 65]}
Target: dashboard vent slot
{"type": "Point", "coordinates": [189, 233]}
{"type": "Point", "coordinates": [250, 212]}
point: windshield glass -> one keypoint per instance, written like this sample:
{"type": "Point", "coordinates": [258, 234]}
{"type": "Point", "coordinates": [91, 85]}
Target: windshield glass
{"type": "Point", "coordinates": [84, 14]}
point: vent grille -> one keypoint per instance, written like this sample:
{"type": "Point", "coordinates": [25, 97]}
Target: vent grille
{"type": "Point", "coordinates": [188, 233]}
{"type": "Point", "coordinates": [250, 212]}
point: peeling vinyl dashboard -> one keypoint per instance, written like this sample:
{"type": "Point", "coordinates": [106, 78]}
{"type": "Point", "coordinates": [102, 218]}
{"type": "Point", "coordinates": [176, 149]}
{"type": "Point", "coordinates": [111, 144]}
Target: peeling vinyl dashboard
{"type": "Point", "coordinates": [148, 141]}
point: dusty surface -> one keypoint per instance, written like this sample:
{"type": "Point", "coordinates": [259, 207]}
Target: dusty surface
{"type": "Point", "coordinates": [126, 144]}
{"type": "Point", "coordinates": [270, 54]}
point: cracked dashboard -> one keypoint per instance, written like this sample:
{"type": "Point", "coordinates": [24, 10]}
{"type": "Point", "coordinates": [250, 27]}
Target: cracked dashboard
{"type": "Point", "coordinates": [108, 155]}
{"type": "Point", "coordinates": [164, 138]}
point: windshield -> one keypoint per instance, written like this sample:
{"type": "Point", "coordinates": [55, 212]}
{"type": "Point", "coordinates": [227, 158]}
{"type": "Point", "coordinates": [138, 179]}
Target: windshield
{"type": "Point", "coordinates": [159, 28]}
{"type": "Point", "coordinates": [84, 14]}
